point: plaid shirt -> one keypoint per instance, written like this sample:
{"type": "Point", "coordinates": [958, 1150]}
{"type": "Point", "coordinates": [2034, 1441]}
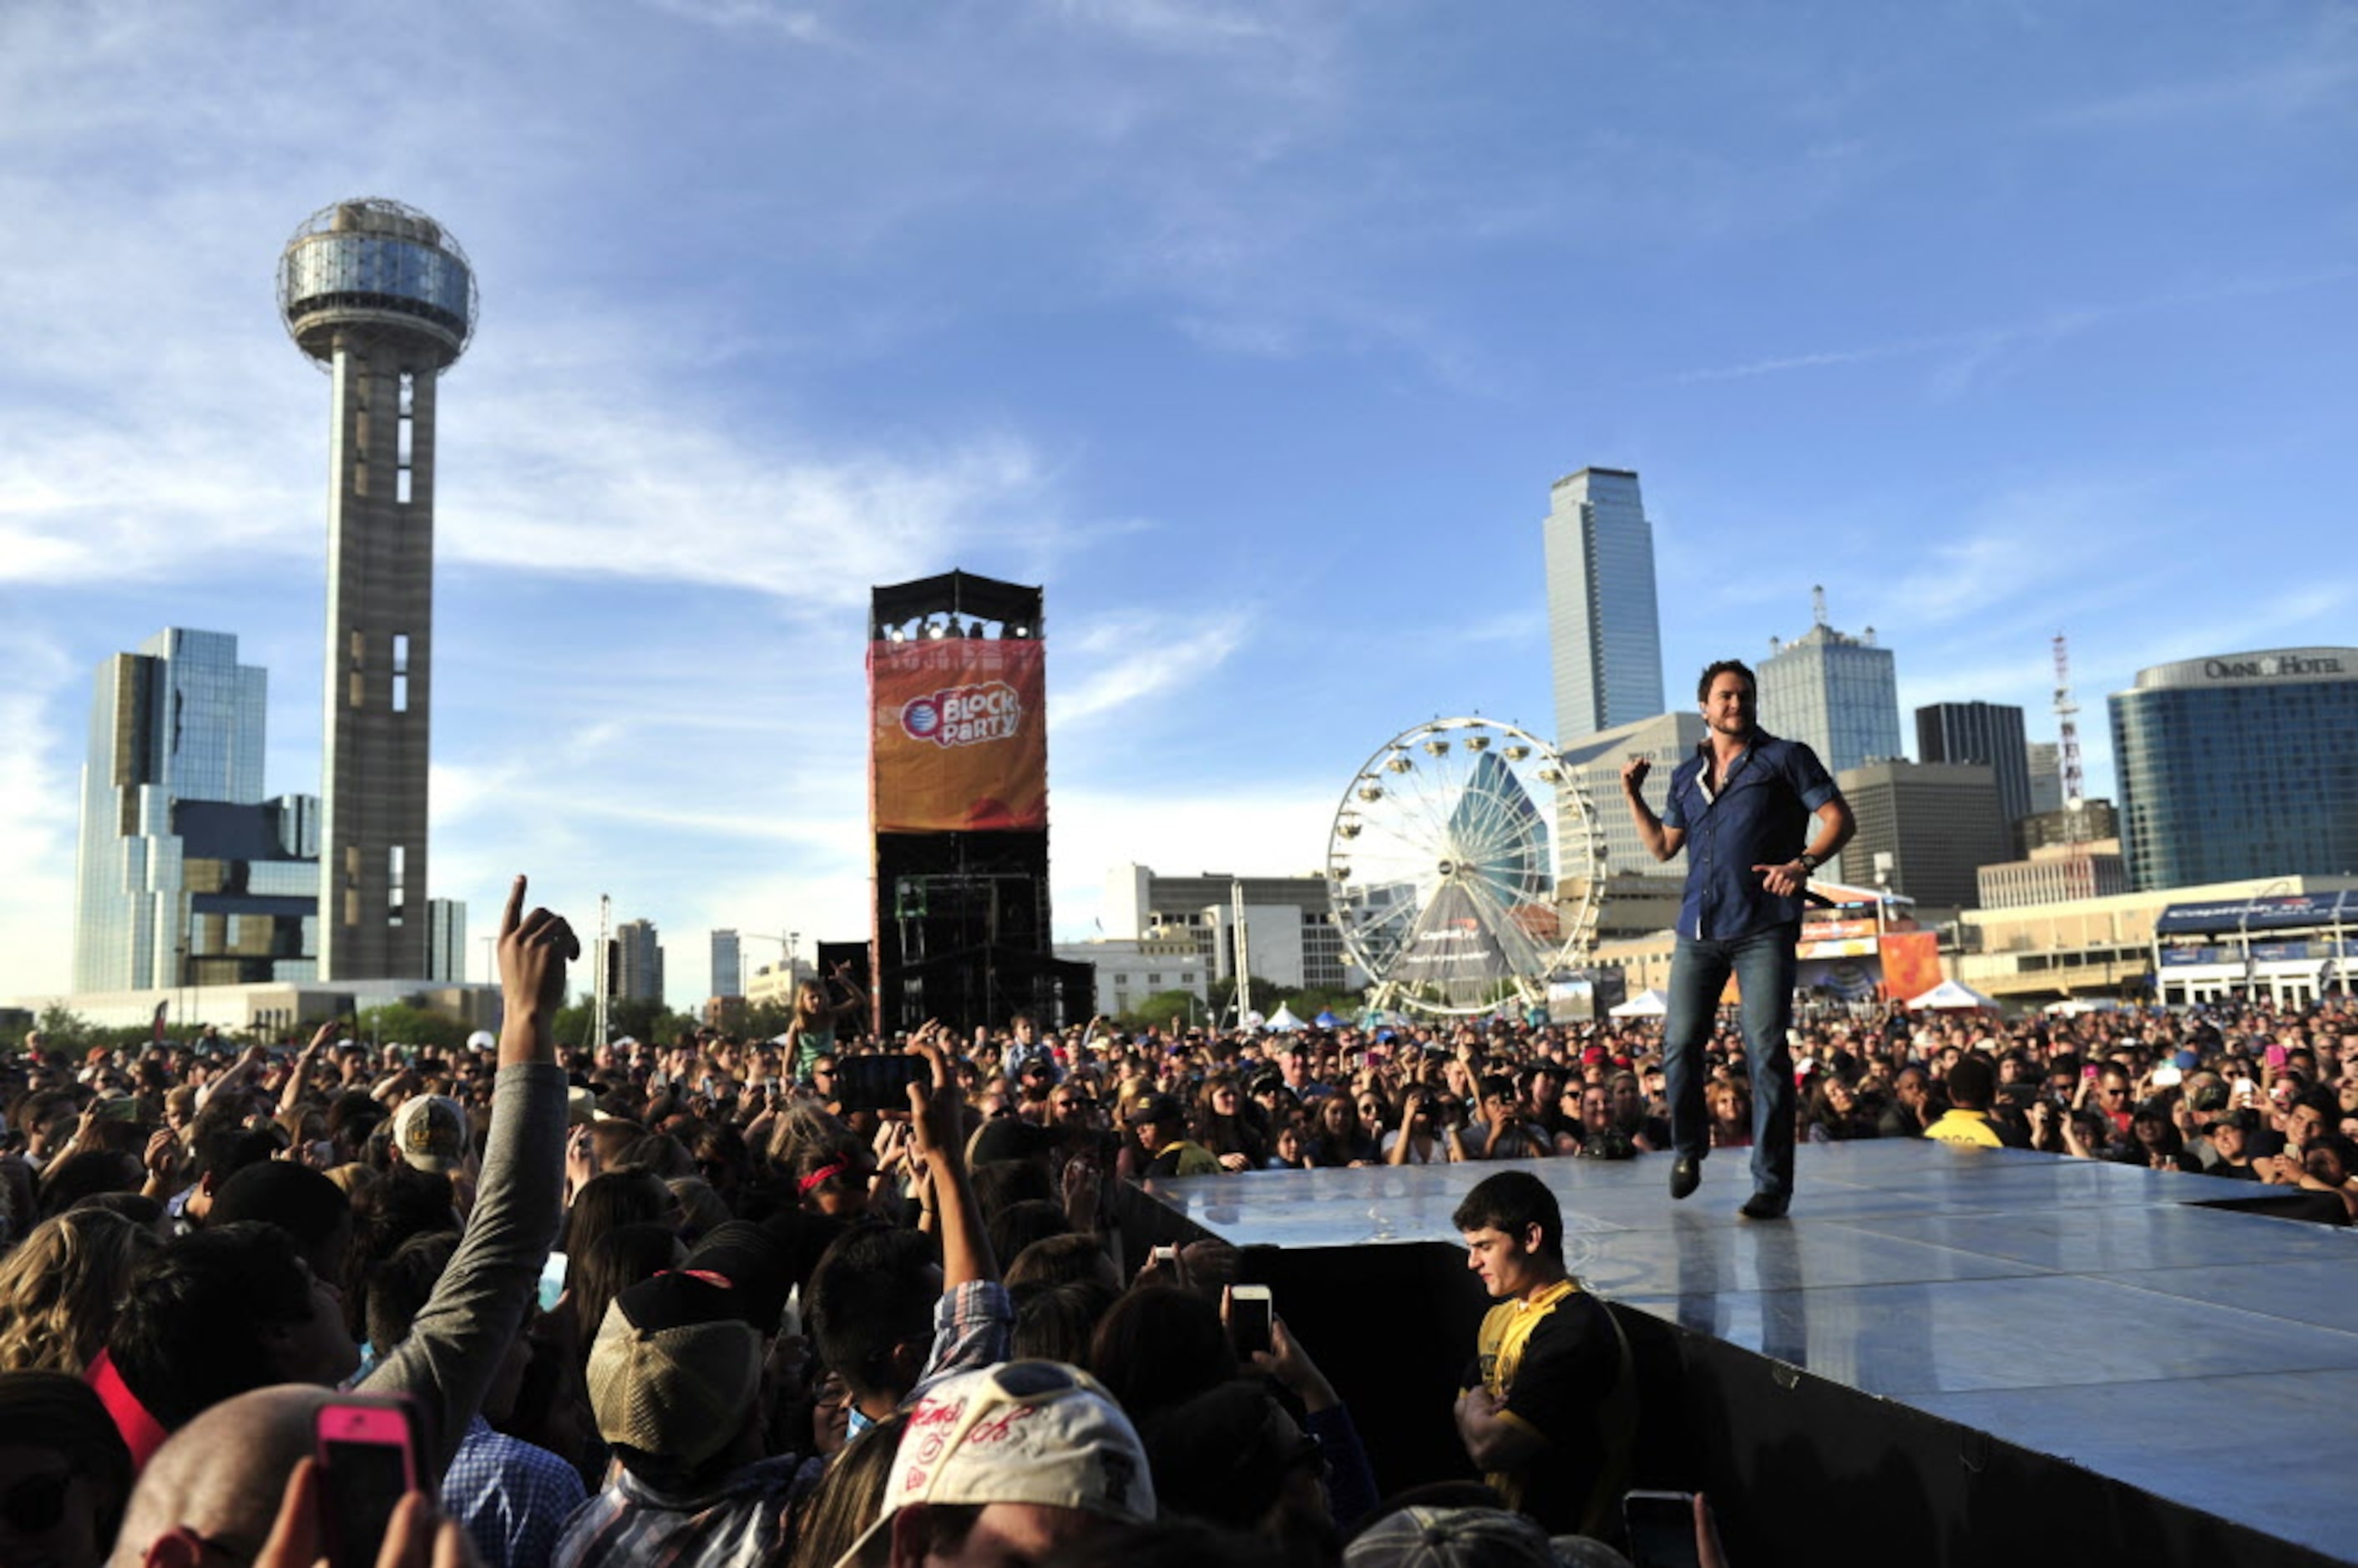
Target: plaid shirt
{"type": "Point", "coordinates": [511, 1497]}
{"type": "Point", "coordinates": [740, 1523]}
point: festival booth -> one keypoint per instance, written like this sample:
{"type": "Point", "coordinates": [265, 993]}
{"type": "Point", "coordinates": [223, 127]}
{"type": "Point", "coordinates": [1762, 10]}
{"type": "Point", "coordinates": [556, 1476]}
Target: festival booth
{"type": "Point", "coordinates": [2291, 947]}
{"type": "Point", "coordinates": [1648, 1003]}
{"type": "Point", "coordinates": [1282, 1021]}
{"type": "Point", "coordinates": [1951, 996]}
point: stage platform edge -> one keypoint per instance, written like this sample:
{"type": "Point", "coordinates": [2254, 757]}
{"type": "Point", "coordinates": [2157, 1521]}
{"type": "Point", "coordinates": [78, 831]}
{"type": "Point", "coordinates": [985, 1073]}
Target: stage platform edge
{"type": "Point", "coordinates": [1945, 1355]}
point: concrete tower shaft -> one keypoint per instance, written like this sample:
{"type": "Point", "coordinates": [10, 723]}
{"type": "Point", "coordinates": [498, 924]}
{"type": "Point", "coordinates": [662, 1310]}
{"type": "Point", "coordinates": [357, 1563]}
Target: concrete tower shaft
{"type": "Point", "coordinates": [383, 300]}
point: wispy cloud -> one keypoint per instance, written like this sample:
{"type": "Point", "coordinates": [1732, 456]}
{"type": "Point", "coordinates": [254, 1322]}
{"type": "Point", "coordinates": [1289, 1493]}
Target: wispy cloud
{"type": "Point", "coordinates": [2272, 90]}
{"type": "Point", "coordinates": [1968, 349]}
{"type": "Point", "coordinates": [1132, 657]}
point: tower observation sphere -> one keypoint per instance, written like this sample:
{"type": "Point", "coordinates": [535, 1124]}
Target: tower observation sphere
{"type": "Point", "coordinates": [380, 296]}
{"type": "Point", "coordinates": [379, 268]}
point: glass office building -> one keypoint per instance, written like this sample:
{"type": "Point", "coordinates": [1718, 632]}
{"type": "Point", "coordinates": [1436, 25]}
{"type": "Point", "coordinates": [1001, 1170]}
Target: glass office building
{"type": "Point", "coordinates": [1837, 692]}
{"type": "Point", "coordinates": [727, 965]}
{"type": "Point", "coordinates": [1605, 632]}
{"type": "Point", "coordinates": [2238, 767]}
{"type": "Point", "coordinates": [185, 874]}
{"type": "Point", "coordinates": [1988, 732]}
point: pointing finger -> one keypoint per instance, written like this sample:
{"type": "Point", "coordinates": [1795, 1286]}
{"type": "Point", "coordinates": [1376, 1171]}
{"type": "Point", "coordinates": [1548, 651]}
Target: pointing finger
{"type": "Point", "coordinates": [515, 913]}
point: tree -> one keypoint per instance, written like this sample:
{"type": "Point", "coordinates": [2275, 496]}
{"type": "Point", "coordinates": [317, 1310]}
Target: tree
{"type": "Point", "coordinates": [400, 1024]}
{"type": "Point", "coordinates": [1224, 998]}
{"type": "Point", "coordinates": [636, 1018]}
{"type": "Point", "coordinates": [63, 1030]}
{"type": "Point", "coordinates": [1162, 1008]}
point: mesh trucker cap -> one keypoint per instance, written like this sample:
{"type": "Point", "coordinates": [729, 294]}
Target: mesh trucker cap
{"type": "Point", "coordinates": [430, 1131]}
{"type": "Point", "coordinates": [675, 1366]}
{"type": "Point", "coordinates": [1021, 1431]}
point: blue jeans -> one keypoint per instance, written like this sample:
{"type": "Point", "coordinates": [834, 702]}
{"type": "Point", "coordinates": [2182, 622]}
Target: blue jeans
{"type": "Point", "coordinates": [1762, 963]}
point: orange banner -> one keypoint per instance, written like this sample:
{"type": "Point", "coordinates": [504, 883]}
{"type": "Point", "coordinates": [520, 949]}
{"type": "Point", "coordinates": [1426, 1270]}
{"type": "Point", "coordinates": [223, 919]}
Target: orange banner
{"type": "Point", "coordinates": [959, 738]}
{"type": "Point", "coordinates": [1911, 963]}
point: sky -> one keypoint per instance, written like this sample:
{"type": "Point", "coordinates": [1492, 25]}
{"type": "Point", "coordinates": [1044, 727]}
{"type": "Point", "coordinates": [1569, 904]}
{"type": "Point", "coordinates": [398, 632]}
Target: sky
{"type": "Point", "coordinates": [1256, 333]}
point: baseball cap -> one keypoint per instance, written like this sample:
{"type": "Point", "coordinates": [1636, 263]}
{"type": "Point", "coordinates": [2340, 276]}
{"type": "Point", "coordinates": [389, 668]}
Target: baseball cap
{"type": "Point", "coordinates": [1158, 1108]}
{"type": "Point", "coordinates": [675, 1366]}
{"type": "Point", "coordinates": [751, 1261]}
{"type": "Point", "coordinates": [430, 1131]}
{"type": "Point", "coordinates": [1021, 1431]}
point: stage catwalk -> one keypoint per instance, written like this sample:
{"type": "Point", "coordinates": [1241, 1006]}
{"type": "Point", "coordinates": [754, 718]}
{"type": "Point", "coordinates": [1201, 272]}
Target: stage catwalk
{"type": "Point", "coordinates": [2103, 1315]}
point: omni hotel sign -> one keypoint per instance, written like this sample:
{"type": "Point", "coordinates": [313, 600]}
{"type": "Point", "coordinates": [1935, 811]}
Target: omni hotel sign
{"type": "Point", "coordinates": [2272, 667]}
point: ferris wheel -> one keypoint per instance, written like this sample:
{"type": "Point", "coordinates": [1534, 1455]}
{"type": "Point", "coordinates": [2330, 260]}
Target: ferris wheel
{"type": "Point", "coordinates": [1463, 868]}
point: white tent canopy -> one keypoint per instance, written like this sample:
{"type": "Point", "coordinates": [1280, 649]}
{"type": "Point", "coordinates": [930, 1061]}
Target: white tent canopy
{"type": "Point", "coordinates": [1949, 995]}
{"type": "Point", "coordinates": [1283, 1020]}
{"type": "Point", "coordinates": [1649, 1003]}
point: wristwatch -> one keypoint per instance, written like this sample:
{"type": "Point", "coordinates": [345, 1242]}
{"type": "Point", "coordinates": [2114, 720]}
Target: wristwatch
{"type": "Point", "coordinates": [1809, 862]}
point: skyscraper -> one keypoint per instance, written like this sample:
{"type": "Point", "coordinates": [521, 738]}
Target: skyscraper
{"type": "Point", "coordinates": [727, 965]}
{"type": "Point", "coordinates": [2044, 759]}
{"type": "Point", "coordinates": [2238, 766]}
{"type": "Point", "coordinates": [1838, 692]}
{"type": "Point", "coordinates": [383, 300]}
{"type": "Point", "coordinates": [1604, 623]}
{"type": "Point", "coordinates": [1987, 732]}
{"type": "Point", "coordinates": [1939, 823]}
{"type": "Point", "coordinates": [638, 971]}
{"type": "Point", "coordinates": [184, 874]}
{"type": "Point", "coordinates": [445, 944]}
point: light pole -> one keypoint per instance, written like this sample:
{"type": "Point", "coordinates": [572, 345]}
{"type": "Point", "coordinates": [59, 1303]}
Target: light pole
{"type": "Point", "coordinates": [2243, 931]}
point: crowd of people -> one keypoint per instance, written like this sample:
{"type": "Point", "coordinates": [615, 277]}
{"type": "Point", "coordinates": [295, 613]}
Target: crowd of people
{"type": "Point", "coordinates": [712, 1301]}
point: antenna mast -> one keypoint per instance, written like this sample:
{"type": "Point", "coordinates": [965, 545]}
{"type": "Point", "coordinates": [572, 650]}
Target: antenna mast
{"type": "Point", "coordinates": [2075, 819]}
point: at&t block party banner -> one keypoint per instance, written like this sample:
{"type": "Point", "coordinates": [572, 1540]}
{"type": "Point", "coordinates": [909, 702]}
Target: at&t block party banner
{"type": "Point", "coordinates": [958, 740]}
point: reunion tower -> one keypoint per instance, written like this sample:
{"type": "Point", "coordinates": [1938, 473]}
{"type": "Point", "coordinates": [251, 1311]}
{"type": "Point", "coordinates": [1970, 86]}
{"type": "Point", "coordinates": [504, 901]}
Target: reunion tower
{"type": "Point", "coordinates": [383, 298]}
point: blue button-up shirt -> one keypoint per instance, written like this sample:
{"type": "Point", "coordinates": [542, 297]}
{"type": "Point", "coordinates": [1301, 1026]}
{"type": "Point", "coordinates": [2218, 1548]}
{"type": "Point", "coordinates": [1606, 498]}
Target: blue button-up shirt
{"type": "Point", "coordinates": [1758, 816]}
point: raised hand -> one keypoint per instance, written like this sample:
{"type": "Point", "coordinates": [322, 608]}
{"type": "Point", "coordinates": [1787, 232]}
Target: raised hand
{"type": "Point", "coordinates": [534, 951]}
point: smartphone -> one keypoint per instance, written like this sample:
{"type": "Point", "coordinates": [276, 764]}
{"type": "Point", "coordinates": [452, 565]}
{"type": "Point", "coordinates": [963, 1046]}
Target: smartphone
{"type": "Point", "coordinates": [1250, 1312]}
{"type": "Point", "coordinates": [123, 1110]}
{"type": "Point", "coordinates": [370, 1457]}
{"type": "Point", "coordinates": [1662, 1530]}
{"type": "Point", "coordinates": [552, 1281]}
{"type": "Point", "coordinates": [879, 1083]}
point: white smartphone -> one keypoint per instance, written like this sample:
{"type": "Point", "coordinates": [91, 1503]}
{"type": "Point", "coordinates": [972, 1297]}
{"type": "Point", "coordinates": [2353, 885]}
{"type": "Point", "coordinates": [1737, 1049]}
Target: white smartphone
{"type": "Point", "coordinates": [1250, 1313]}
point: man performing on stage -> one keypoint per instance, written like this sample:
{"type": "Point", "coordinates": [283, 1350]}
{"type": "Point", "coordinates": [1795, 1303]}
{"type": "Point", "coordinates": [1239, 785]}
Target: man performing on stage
{"type": "Point", "coordinates": [1743, 807]}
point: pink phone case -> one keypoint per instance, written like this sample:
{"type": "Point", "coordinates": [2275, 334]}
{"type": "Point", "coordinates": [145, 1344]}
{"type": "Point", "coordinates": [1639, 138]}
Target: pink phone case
{"type": "Point", "coordinates": [379, 1425]}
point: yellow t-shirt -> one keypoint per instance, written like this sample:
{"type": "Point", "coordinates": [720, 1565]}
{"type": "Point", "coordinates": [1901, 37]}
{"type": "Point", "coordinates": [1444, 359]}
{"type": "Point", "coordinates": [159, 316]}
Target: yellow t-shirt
{"type": "Point", "coordinates": [1578, 1395]}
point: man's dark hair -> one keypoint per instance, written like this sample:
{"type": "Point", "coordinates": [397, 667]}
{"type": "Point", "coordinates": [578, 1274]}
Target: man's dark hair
{"type": "Point", "coordinates": [1973, 1082]}
{"type": "Point", "coordinates": [405, 1202]}
{"type": "Point", "coordinates": [1718, 667]}
{"type": "Point", "coordinates": [1511, 1202]}
{"type": "Point", "coordinates": [399, 1287]}
{"type": "Point", "coordinates": [1495, 1086]}
{"type": "Point", "coordinates": [226, 1147]}
{"type": "Point", "coordinates": [189, 1334]}
{"type": "Point", "coordinates": [87, 1175]}
{"type": "Point", "coordinates": [871, 1294]}
{"type": "Point", "coordinates": [1056, 1321]}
